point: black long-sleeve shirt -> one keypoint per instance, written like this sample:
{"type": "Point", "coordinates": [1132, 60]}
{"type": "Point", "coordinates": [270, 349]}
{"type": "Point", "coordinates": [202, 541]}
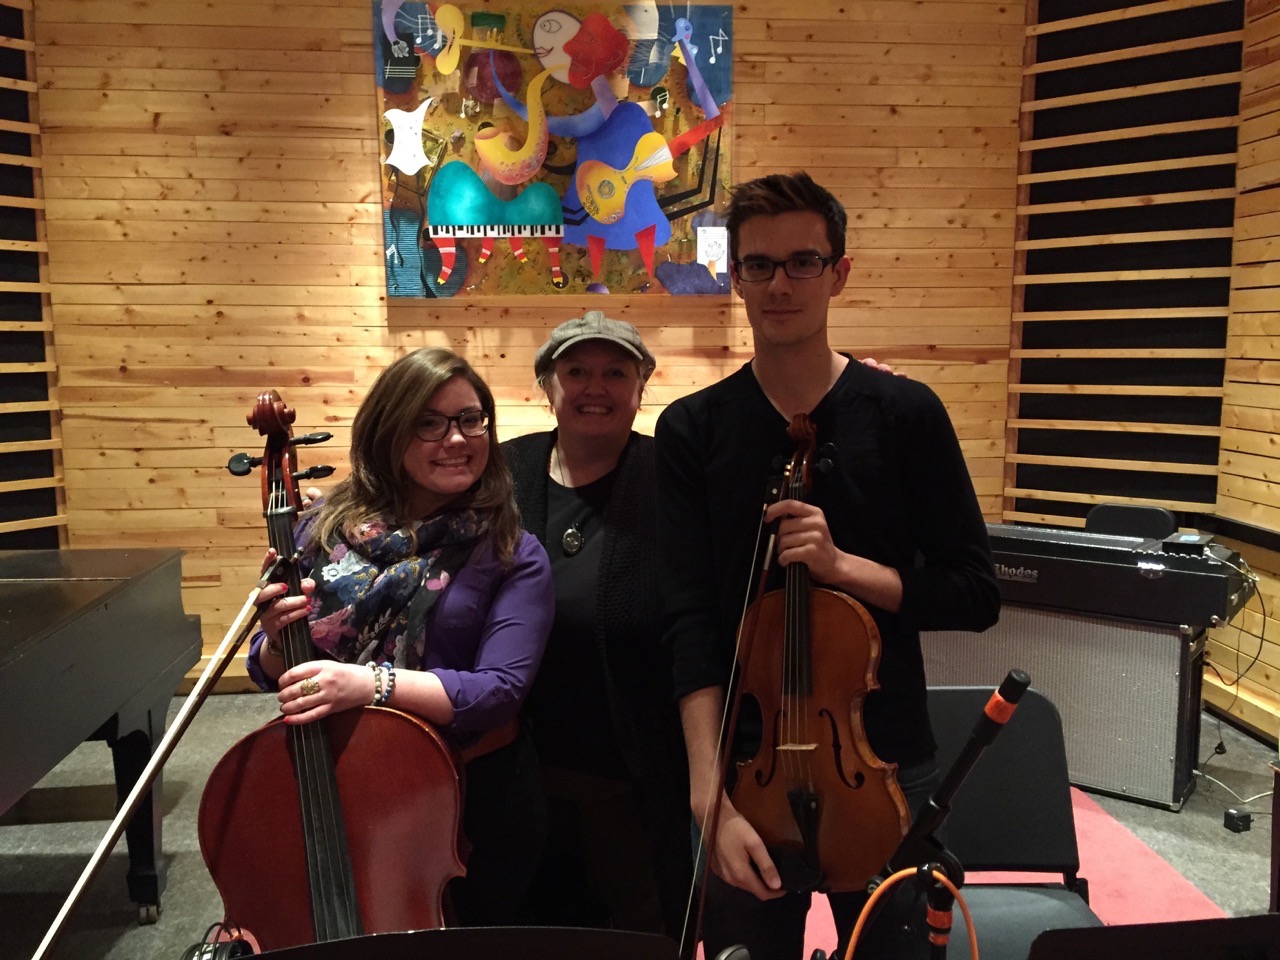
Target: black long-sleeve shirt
{"type": "Point", "coordinates": [897, 492]}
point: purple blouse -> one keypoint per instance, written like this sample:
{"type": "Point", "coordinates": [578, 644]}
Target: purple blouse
{"type": "Point", "coordinates": [485, 637]}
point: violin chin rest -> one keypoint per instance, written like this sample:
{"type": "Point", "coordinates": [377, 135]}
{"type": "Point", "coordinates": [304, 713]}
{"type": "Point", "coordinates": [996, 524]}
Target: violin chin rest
{"type": "Point", "coordinates": [797, 873]}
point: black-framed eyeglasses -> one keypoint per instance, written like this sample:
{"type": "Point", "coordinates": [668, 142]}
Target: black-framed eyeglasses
{"type": "Point", "coordinates": [805, 266]}
{"type": "Point", "coordinates": [436, 426]}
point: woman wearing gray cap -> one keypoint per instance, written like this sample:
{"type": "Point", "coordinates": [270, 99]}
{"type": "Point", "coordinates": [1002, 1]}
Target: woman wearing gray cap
{"type": "Point", "coordinates": [603, 718]}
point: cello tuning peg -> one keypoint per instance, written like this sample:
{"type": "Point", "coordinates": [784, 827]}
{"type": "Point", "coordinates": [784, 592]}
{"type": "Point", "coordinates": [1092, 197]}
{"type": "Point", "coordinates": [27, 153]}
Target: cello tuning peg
{"type": "Point", "coordinates": [824, 466]}
{"type": "Point", "coordinates": [318, 472]}
{"type": "Point", "coordinates": [241, 465]}
{"type": "Point", "coordinates": [310, 438]}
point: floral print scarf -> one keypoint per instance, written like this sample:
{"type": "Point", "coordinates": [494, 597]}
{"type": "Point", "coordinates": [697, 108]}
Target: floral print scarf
{"type": "Point", "coordinates": [375, 587]}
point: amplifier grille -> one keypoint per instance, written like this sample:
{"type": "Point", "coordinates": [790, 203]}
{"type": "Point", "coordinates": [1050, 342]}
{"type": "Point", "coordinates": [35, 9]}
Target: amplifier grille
{"type": "Point", "coordinates": [1119, 685]}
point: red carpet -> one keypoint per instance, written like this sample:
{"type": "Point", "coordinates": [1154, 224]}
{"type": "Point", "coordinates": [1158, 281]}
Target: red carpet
{"type": "Point", "coordinates": [1128, 881]}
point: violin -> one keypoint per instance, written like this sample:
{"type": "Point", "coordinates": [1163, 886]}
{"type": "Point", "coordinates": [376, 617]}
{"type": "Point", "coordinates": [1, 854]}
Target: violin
{"type": "Point", "coordinates": [829, 811]}
{"type": "Point", "coordinates": [336, 828]}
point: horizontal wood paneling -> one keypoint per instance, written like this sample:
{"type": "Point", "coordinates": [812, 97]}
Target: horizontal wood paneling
{"type": "Point", "coordinates": [215, 228]}
{"type": "Point", "coordinates": [1249, 459]}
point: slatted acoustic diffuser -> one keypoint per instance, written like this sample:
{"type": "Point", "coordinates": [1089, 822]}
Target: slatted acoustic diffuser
{"type": "Point", "coordinates": [1124, 237]}
{"type": "Point", "coordinates": [31, 485]}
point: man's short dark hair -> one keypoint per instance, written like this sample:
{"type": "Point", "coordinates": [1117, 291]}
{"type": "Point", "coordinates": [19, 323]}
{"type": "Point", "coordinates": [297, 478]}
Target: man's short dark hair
{"type": "Point", "coordinates": [785, 193]}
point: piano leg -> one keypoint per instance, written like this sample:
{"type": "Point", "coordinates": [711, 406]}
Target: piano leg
{"type": "Point", "coordinates": [138, 732]}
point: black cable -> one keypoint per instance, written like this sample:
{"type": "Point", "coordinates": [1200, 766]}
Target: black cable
{"type": "Point", "coordinates": [1247, 573]}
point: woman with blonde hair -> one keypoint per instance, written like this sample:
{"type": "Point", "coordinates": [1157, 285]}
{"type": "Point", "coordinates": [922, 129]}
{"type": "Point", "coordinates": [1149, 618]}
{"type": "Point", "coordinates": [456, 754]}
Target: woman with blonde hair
{"type": "Point", "coordinates": [602, 712]}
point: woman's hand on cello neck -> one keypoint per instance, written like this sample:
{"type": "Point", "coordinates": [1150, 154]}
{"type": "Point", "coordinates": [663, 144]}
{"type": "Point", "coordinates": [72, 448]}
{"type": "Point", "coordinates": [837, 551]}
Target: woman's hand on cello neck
{"type": "Point", "coordinates": [278, 611]}
{"type": "Point", "coordinates": [316, 688]}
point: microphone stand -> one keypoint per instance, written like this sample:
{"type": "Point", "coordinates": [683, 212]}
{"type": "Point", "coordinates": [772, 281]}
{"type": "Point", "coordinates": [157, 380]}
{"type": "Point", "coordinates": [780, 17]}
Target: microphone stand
{"type": "Point", "coordinates": [920, 848]}
{"type": "Point", "coordinates": [235, 636]}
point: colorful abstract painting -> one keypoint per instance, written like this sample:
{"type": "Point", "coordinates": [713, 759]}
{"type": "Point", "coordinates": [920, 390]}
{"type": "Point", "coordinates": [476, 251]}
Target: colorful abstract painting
{"type": "Point", "coordinates": [536, 149]}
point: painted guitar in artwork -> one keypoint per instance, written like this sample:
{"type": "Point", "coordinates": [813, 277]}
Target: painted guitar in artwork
{"type": "Point", "coordinates": [603, 189]}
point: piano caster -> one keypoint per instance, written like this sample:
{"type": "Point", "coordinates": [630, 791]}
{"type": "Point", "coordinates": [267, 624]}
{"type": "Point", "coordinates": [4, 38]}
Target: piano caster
{"type": "Point", "coordinates": [148, 913]}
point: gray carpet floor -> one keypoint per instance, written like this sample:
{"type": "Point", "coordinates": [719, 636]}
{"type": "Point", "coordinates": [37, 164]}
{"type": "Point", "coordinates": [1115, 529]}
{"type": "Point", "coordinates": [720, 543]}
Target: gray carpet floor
{"type": "Point", "coordinates": [46, 840]}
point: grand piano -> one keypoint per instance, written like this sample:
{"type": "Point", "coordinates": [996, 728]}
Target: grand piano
{"type": "Point", "coordinates": [93, 644]}
{"type": "Point", "coordinates": [1111, 629]}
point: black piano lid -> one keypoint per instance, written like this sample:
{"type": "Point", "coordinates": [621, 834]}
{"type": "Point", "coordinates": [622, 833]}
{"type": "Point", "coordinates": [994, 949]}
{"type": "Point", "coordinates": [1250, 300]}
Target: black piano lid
{"type": "Point", "coordinates": [43, 590]}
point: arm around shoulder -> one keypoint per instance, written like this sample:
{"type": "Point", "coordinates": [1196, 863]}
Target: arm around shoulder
{"type": "Point", "coordinates": [954, 586]}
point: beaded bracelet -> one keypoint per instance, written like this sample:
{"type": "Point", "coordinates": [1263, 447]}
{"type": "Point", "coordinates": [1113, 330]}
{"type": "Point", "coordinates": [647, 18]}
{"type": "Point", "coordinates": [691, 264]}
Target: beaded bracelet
{"type": "Point", "coordinates": [391, 681]}
{"type": "Point", "coordinates": [377, 684]}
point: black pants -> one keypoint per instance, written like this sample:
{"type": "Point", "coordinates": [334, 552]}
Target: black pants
{"type": "Point", "coordinates": [598, 867]}
{"type": "Point", "coordinates": [774, 929]}
{"type": "Point", "coordinates": [505, 819]}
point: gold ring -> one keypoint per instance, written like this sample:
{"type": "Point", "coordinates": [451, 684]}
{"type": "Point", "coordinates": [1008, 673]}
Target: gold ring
{"type": "Point", "coordinates": [309, 686]}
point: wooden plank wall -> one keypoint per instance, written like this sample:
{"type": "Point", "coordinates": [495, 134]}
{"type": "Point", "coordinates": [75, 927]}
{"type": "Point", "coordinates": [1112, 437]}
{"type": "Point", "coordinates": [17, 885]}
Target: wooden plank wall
{"type": "Point", "coordinates": [214, 226]}
{"type": "Point", "coordinates": [1250, 454]}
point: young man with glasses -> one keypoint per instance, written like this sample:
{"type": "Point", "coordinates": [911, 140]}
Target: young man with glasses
{"type": "Point", "coordinates": [892, 521]}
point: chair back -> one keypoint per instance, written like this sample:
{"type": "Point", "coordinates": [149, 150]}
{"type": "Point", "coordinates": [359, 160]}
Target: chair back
{"type": "Point", "coordinates": [1013, 811]}
{"type": "Point", "coordinates": [1131, 520]}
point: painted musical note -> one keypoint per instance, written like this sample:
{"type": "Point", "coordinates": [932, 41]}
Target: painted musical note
{"type": "Point", "coordinates": [660, 100]}
{"type": "Point", "coordinates": [717, 42]}
{"type": "Point", "coordinates": [426, 30]}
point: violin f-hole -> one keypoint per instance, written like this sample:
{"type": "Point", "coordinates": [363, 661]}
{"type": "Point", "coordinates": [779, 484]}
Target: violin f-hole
{"type": "Point", "coordinates": [837, 751]}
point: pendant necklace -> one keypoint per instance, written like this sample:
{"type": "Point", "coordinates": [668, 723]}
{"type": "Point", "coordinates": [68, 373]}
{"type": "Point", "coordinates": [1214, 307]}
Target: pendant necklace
{"type": "Point", "coordinates": [572, 540]}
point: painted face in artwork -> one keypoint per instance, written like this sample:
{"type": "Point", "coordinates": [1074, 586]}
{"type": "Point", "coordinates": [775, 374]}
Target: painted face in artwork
{"type": "Point", "coordinates": [551, 32]}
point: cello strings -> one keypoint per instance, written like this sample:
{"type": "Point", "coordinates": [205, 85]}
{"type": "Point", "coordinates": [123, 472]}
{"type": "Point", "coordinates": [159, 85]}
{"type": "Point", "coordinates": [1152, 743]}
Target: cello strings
{"type": "Point", "coordinates": [334, 911]}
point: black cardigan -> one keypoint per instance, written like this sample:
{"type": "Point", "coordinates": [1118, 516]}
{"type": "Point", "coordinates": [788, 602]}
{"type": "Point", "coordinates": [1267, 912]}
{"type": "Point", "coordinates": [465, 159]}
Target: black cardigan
{"type": "Point", "coordinates": [629, 632]}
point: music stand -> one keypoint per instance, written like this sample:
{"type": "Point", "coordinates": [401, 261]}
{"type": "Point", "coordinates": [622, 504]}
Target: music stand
{"type": "Point", "coordinates": [1229, 938]}
{"type": "Point", "coordinates": [487, 943]}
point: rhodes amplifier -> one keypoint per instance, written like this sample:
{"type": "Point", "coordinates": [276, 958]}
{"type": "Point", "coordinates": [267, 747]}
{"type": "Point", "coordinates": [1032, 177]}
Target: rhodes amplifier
{"type": "Point", "coordinates": [1111, 629]}
{"type": "Point", "coordinates": [1128, 692]}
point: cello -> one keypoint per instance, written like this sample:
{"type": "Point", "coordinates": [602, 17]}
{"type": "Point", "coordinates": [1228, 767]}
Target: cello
{"type": "Point", "coordinates": [355, 817]}
{"type": "Point", "coordinates": [829, 811]}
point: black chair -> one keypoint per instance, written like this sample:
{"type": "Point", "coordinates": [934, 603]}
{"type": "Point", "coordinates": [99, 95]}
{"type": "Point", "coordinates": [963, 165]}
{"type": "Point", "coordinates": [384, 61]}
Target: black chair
{"type": "Point", "coordinates": [1013, 812]}
{"type": "Point", "coordinates": [1131, 520]}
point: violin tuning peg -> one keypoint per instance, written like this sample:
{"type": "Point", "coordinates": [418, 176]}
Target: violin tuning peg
{"type": "Point", "coordinates": [310, 438]}
{"type": "Point", "coordinates": [241, 465]}
{"type": "Point", "coordinates": [827, 450]}
{"type": "Point", "coordinates": [824, 466]}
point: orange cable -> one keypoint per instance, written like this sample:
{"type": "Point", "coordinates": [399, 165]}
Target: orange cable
{"type": "Point", "coordinates": [898, 878]}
